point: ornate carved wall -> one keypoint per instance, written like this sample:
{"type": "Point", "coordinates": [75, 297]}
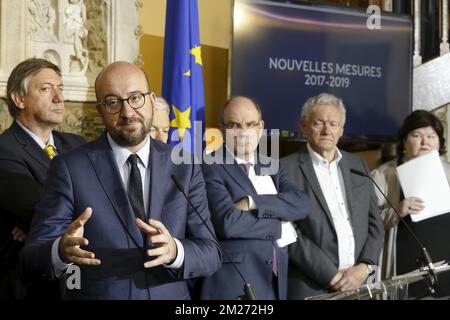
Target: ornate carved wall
{"type": "Point", "coordinates": [80, 36]}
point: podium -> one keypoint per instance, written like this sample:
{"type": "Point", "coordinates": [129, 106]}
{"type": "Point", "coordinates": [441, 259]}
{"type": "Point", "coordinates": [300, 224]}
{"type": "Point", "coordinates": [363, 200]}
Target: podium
{"type": "Point", "coordinates": [395, 288]}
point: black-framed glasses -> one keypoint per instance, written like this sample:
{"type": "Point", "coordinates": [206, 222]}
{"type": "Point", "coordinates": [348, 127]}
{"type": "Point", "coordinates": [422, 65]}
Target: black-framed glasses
{"type": "Point", "coordinates": [113, 106]}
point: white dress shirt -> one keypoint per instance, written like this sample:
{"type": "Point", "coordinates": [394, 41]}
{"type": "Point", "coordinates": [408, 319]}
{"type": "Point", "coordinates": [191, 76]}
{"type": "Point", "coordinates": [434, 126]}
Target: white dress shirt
{"type": "Point", "coordinates": [121, 155]}
{"type": "Point", "coordinates": [51, 141]}
{"type": "Point", "coordinates": [265, 185]}
{"type": "Point", "coordinates": [333, 188]}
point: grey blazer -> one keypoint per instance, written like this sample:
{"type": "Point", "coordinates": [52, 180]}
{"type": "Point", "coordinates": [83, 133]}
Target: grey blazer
{"type": "Point", "coordinates": [313, 259]}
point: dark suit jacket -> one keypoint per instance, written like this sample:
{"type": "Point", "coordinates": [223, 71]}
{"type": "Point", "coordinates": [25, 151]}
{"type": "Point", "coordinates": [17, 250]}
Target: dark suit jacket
{"type": "Point", "coordinates": [313, 259]}
{"type": "Point", "coordinates": [89, 177]}
{"type": "Point", "coordinates": [248, 236]}
{"type": "Point", "coordinates": [23, 169]}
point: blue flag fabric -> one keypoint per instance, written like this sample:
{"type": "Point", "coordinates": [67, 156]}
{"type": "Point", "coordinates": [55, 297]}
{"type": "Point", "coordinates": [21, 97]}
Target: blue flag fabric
{"type": "Point", "coordinates": [183, 75]}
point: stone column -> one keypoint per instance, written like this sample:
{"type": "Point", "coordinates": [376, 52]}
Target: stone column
{"type": "Point", "coordinates": [387, 5]}
{"type": "Point", "coordinates": [417, 58]}
{"type": "Point", "coordinates": [444, 47]}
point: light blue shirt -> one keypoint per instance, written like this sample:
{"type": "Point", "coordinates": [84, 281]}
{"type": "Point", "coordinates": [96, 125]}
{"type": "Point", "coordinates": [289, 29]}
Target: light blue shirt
{"type": "Point", "coordinates": [51, 141]}
{"type": "Point", "coordinates": [121, 156]}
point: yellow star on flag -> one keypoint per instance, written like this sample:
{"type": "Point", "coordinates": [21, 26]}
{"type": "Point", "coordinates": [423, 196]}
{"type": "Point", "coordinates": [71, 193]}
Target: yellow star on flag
{"type": "Point", "coordinates": [197, 53]}
{"type": "Point", "coordinates": [181, 121]}
{"type": "Point", "coordinates": [187, 73]}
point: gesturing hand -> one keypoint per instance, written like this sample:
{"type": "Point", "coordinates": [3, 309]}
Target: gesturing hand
{"type": "Point", "coordinates": [69, 246]}
{"type": "Point", "coordinates": [166, 248]}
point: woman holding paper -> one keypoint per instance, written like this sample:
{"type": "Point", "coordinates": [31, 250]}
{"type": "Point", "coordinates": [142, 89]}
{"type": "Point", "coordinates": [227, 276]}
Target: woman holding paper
{"type": "Point", "coordinates": [420, 133]}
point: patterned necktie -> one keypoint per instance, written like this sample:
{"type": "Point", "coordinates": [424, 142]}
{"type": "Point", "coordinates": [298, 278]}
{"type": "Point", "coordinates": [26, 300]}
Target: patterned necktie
{"type": "Point", "coordinates": [275, 262]}
{"type": "Point", "coordinates": [50, 151]}
{"type": "Point", "coordinates": [135, 193]}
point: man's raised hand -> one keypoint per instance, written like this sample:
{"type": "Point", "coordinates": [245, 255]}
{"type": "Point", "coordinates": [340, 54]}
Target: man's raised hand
{"type": "Point", "coordinates": [69, 245]}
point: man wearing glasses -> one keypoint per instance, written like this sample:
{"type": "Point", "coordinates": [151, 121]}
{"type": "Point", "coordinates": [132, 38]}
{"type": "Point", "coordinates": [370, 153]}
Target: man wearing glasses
{"type": "Point", "coordinates": [161, 123]}
{"type": "Point", "coordinates": [110, 208]}
{"type": "Point", "coordinates": [250, 209]}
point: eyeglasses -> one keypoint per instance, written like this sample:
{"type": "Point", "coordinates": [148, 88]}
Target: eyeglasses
{"type": "Point", "coordinates": [420, 136]}
{"type": "Point", "coordinates": [241, 126]}
{"type": "Point", "coordinates": [113, 106]}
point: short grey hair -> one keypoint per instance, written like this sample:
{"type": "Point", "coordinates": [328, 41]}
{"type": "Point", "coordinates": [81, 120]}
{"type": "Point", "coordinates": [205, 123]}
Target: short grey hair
{"type": "Point", "coordinates": [161, 104]}
{"type": "Point", "coordinates": [321, 99]}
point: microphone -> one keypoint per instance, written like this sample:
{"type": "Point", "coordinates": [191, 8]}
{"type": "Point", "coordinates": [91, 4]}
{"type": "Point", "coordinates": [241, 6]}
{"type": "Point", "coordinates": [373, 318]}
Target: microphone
{"type": "Point", "coordinates": [248, 291]}
{"type": "Point", "coordinates": [425, 255]}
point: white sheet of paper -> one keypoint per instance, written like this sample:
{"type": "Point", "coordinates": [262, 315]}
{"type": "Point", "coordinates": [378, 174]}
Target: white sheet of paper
{"type": "Point", "coordinates": [424, 177]}
{"type": "Point", "coordinates": [265, 186]}
{"type": "Point", "coordinates": [288, 235]}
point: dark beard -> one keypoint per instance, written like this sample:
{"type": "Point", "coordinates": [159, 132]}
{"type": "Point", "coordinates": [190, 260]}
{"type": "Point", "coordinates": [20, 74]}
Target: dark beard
{"type": "Point", "coordinates": [129, 140]}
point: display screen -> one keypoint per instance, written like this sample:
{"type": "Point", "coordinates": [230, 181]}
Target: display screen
{"type": "Point", "coordinates": [282, 54]}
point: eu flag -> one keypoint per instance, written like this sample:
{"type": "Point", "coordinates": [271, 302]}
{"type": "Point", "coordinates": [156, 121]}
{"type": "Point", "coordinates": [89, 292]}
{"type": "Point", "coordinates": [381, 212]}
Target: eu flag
{"type": "Point", "coordinates": [183, 74]}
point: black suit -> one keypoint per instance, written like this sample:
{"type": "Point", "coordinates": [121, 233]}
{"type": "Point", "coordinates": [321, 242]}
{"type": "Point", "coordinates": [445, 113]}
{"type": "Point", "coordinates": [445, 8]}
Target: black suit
{"type": "Point", "coordinates": [23, 170]}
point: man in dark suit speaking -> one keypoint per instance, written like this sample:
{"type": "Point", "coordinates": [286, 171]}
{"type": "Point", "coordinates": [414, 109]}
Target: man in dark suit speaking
{"type": "Point", "coordinates": [342, 237]}
{"type": "Point", "coordinates": [110, 207]}
{"type": "Point", "coordinates": [251, 203]}
{"type": "Point", "coordinates": [35, 101]}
